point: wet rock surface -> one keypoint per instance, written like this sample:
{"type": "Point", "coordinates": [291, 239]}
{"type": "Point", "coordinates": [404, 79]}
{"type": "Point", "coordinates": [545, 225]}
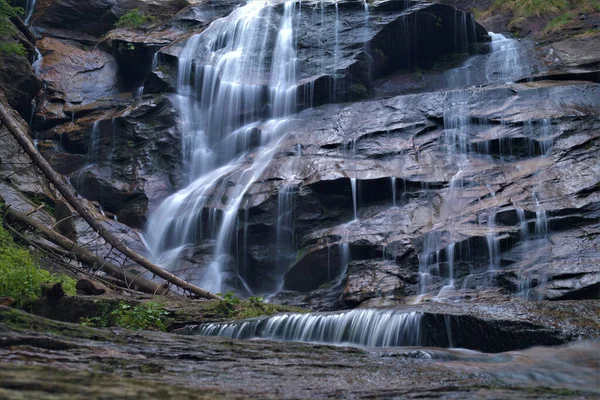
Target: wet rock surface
{"type": "Point", "coordinates": [516, 148]}
{"type": "Point", "coordinates": [17, 78]}
{"type": "Point", "coordinates": [47, 358]}
{"type": "Point", "coordinates": [98, 16]}
{"type": "Point", "coordinates": [529, 151]}
{"type": "Point", "coordinates": [74, 75]}
{"type": "Point", "coordinates": [341, 67]}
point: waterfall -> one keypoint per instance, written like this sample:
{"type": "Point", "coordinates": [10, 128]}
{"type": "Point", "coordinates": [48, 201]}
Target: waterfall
{"type": "Point", "coordinates": [221, 99]}
{"type": "Point", "coordinates": [286, 248]}
{"type": "Point", "coordinates": [456, 135]}
{"type": "Point", "coordinates": [393, 183]}
{"type": "Point", "coordinates": [505, 64]}
{"type": "Point", "coordinates": [37, 62]}
{"type": "Point", "coordinates": [354, 197]}
{"type": "Point", "coordinates": [94, 142]}
{"type": "Point", "coordinates": [371, 328]}
{"type": "Point", "coordinates": [29, 9]}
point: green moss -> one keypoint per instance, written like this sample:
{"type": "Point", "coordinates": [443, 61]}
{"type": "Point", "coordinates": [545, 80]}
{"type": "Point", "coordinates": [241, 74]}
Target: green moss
{"type": "Point", "coordinates": [147, 316]}
{"type": "Point", "coordinates": [232, 307]}
{"type": "Point", "coordinates": [8, 46]}
{"type": "Point", "coordinates": [134, 19]}
{"type": "Point", "coordinates": [589, 33]}
{"type": "Point", "coordinates": [301, 253]}
{"type": "Point", "coordinates": [20, 275]}
{"type": "Point", "coordinates": [559, 22]}
{"type": "Point", "coordinates": [562, 11]}
{"type": "Point", "coordinates": [358, 91]}
{"type": "Point", "coordinates": [530, 8]}
{"type": "Point", "coordinates": [326, 285]}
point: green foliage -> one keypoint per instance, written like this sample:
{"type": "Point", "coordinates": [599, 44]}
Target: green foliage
{"type": "Point", "coordinates": [7, 45]}
{"type": "Point", "coordinates": [38, 201]}
{"type": "Point", "coordinates": [7, 12]}
{"type": "Point", "coordinates": [589, 33]}
{"type": "Point", "coordinates": [134, 19]}
{"type": "Point", "coordinates": [544, 8]}
{"type": "Point", "coordinates": [148, 316]}
{"type": "Point", "coordinates": [20, 276]}
{"type": "Point", "coordinates": [562, 12]}
{"type": "Point", "coordinates": [9, 48]}
{"type": "Point", "coordinates": [233, 307]}
{"type": "Point", "coordinates": [530, 8]}
{"type": "Point", "coordinates": [559, 22]}
{"type": "Point", "coordinates": [125, 47]}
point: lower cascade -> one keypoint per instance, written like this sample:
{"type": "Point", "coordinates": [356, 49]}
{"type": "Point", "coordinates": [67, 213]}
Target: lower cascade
{"type": "Point", "coordinates": [369, 328]}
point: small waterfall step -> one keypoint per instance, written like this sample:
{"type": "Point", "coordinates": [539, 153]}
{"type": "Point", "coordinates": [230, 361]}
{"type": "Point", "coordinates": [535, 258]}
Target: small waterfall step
{"type": "Point", "coordinates": [371, 328]}
{"type": "Point", "coordinates": [434, 325]}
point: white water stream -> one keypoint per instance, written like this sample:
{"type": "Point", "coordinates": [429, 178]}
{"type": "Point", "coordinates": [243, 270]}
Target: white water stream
{"type": "Point", "coordinates": [437, 261]}
{"type": "Point", "coordinates": [221, 89]}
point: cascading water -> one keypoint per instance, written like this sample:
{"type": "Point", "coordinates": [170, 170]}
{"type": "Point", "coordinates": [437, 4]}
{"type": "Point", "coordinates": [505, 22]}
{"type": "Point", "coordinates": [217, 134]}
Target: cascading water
{"type": "Point", "coordinates": [29, 8]}
{"type": "Point", "coordinates": [505, 64]}
{"type": "Point", "coordinates": [285, 246]}
{"type": "Point", "coordinates": [94, 142]}
{"type": "Point", "coordinates": [393, 184]}
{"type": "Point", "coordinates": [456, 135]}
{"type": "Point", "coordinates": [371, 328]}
{"type": "Point", "coordinates": [353, 184]}
{"type": "Point", "coordinates": [221, 99]}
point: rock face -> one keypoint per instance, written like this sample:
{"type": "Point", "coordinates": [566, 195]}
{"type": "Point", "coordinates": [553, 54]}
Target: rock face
{"type": "Point", "coordinates": [24, 188]}
{"type": "Point", "coordinates": [508, 150]}
{"type": "Point", "coordinates": [17, 78]}
{"type": "Point", "coordinates": [428, 188]}
{"type": "Point", "coordinates": [98, 16]}
{"type": "Point", "coordinates": [121, 152]}
{"type": "Point", "coordinates": [366, 45]}
{"type": "Point", "coordinates": [74, 75]}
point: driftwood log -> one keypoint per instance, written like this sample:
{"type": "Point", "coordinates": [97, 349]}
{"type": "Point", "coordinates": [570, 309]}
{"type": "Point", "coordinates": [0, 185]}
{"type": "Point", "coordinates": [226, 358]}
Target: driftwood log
{"type": "Point", "coordinates": [22, 137]}
{"type": "Point", "coordinates": [134, 281]}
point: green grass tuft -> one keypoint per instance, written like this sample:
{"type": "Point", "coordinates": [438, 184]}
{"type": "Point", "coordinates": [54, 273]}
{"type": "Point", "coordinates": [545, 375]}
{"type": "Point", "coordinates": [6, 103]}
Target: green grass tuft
{"type": "Point", "coordinates": [20, 275]}
{"type": "Point", "coordinates": [531, 8]}
{"type": "Point", "coordinates": [559, 22]}
{"type": "Point", "coordinates": [234, 307]}
{"type": "Point", "coordinates": [134, 19]}
{"type": "Point", "coordinates": [147, 316]}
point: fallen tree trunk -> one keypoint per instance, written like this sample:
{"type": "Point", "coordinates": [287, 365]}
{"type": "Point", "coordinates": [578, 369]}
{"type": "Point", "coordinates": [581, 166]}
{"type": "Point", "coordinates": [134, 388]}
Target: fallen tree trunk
{"type": "Point", "coordinates": [24, 141]}
{"type": "Point", "coordinates": [133, 281]}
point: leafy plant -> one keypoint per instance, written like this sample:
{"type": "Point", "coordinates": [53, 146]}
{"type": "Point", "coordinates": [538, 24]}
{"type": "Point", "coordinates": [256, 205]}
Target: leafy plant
{"type": "Point", "coordinates": [125, 47]}
{"type": "Point", "coordinates": [134, 19]}
{"type": "Point", "coordinates": [7, 44]}
{"type": "Point", "coordinates": [148, 316]}
{"type": "Point", "coordinates": [20, 275]}
{"type": "Point", "coordinates": [234, 307]}
{"type": "Point", "coordinates": [9, 48]}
